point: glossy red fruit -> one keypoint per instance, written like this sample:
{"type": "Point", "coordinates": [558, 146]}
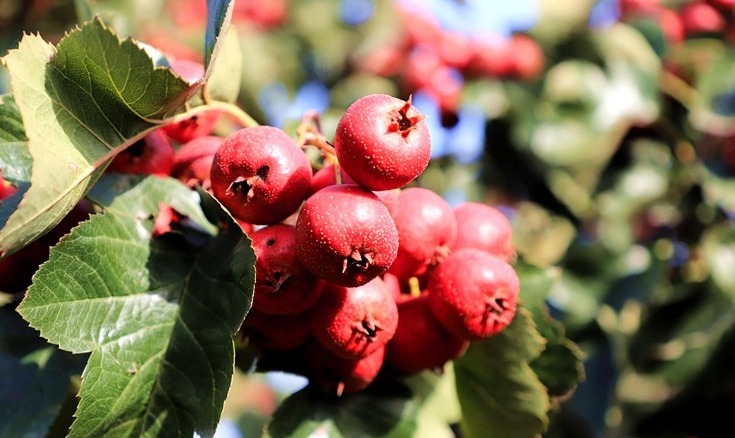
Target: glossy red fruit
{"type": "Point", "coordinates": [260, 175]}
{"type": "Point", "coordinates": [484, 227]}
{"type": "Point", "coordinates": [382, 142]}
{"type": "Point", "coordinates": [354, 322]}
{"type": "Point", "coordinates": [473, 294]}
{"type": "Point", "coordinates": [345, 235]}
{"type": "Point", "coordinates": [276, 332]}
{"type": "Point", "coordinates": [282, 284]}
{"type": "Point", "coordinates": [420, 341]}
{"type": "Point", "coordinates": [200, 124]}
{"type": "Point", "coordinates": [427, 230]}
{"type": "Point", "coordinates": [338, 376]}
{"type": "Point", "coordinates": [152, 155]}
{"type": "Point", "coordinates": [193, 160]}
{"type": "Point", "coordinates": [326, 176]}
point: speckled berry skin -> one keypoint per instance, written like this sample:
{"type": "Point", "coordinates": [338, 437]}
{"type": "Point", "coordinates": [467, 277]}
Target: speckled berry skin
{"type": "Point", "coordinates": [260, 175]}
{"type": "Point", "coordinates": [484, 227]}
{"type": "Point", "coordinates": [282, 284]}
{"type": "Point", "coordinates": [354, 322]}
{"type": "Point", "coordinates": [420, 341]}
{"type": "Point", "coordinates": [473, 294]}
{"type": "Point", "coordinates": [426, 228]}
{"type": "Point", "coordinates": [382, 142]}
{"type": "Point", "coordinates": [345, 235]}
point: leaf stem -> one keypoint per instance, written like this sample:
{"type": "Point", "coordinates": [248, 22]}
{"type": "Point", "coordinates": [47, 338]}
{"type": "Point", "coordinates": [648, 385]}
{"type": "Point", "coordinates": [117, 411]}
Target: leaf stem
{"type": "Point", "coordinates": [241, 117]}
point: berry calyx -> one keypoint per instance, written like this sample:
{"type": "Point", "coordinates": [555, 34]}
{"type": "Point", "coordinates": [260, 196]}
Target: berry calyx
{"type": "Point", "coordinates": [260, 175]}
{"type": "Point", "coordinates": [345, 235]}
{"type": "Point", "coordinates": [152, 155]}
{"type": "Point", "coordinates": [382, 142]}
{"type": "Point", "coordinates": [282, 284]}
{"type": "Point", "coordinates": [354, 322]}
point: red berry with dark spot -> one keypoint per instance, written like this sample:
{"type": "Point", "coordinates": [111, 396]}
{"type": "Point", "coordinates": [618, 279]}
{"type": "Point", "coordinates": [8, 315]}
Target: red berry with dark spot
{"type": "Point", "coordinates": [484, 227]}
{"type": "Point", "coordinates": [382, 142]}
{"type": "Point", "coordinates": [427, 230]}
{"type": "Point", "coordinates": [473, 294]}
{"type": "Point", "coordinates": [260, 175]}
{"type": "Point", "coordinates": [282, 284]}
{"type": "Point", "coordinates": [152, 155]}
{"type": "Point", "coordinates": [354, 322]}
{"type": "Point", "coordinates": [345, 235]}
{"type": "Point", "coordinates": [193, 160]}
{"type": "Point", "coordinates": [420, 341]}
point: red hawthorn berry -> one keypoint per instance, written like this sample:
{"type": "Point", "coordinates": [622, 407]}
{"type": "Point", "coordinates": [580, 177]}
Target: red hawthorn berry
{"type": "Point", "coordinates": [152, 155]}
{"type": "Point", "coordinates": [201, 124]}
{"type": "Point", "coordinates": [382, 142]}
{"type": "Point", "coordinates": [260, 175]}
{"type": "Point", "coordinates": [276, 332]}
{"type": "Point", "coordinates": [427, 230]}
{"type": "Point", "coordinates": [420, 341]}
{"type": "Point", "coordinates": [338, 376]}
{"type": "Point", "coordinates": [345, 235]}
{"type": "Point", "coordinates": [671, 26]}
{"type": "Point", "coordinates": [484, 227]}
{"type": "Point", "coordinates": [527, 57]}
{"type": "Point", "coordinates": [701, 18]}
{"type": "Point", "coordinates": [282, 284]}
{"type": "Point", "coordinates": [473, 294]}
{"type": "Point", "coordinates": [492, 58]}
{"type": "Point", "coordinates": [354, 322]}
{"type": "Point", "coordinates": [193, 160]}
{"type": "Point", "coordinates": [326, 176]}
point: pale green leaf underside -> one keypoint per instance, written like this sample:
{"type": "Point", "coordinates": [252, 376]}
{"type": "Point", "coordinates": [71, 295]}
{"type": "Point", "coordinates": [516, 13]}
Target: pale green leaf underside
{"type": "Point", "coordinates": [81, 103]}
{"type": "Point", "coordinates": [157, 316]}
{"type": "Point", "coordinates": [499, 393]}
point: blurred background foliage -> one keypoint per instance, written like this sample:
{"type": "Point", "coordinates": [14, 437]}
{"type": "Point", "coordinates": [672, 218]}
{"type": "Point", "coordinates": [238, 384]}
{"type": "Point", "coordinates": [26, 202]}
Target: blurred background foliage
{"type": "Point", "coordinates": [604, 130]}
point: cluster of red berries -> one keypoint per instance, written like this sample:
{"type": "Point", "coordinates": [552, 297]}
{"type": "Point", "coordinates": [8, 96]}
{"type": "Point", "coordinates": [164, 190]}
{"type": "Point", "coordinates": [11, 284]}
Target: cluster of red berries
{"type": "Point", "coordinates": [427, 57]}
{"type": "Point", "coordinates": [358, 273]}
{"type": "Point", "coordinates": [691, 19]}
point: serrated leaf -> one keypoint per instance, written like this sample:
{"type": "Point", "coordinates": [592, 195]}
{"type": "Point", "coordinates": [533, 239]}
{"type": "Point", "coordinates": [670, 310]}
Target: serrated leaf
{"type": "Point", "coordinates": [15, 160]}
{"type": "Point", "coordinates": [157, 315]}
{"type": "Point", "coordinates": [439, 405]}
{"type": "Point", "coordinates": [81, 103]}
{"type": "Point", "coordinates": [499, 393]}
{"type": "Point", "coordinates": [308, 413]}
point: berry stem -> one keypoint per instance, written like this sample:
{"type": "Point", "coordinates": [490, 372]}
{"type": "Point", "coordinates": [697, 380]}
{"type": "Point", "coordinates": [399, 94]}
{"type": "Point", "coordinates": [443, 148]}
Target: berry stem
{"type": "Point", "coordinates": [310, 134]}
{"type": "Point", "coordinates": [241, 117]}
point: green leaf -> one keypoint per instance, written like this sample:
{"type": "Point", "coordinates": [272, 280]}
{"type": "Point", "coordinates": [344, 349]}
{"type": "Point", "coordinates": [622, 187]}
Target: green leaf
{"type": "Point", "coordinates": [219, 14]}
{"type": "Point", "coordinates": [15, 160]}
{"type": "Point", "coordinates": [81, 103]}
{"type": "Point", "coordinates": [157, 315]}
{"type": "Point", "coordinates": [499, 393]}
{"type": "Point", "coordinates": [439, 405]}
{"type": "Point", "coordinates": [368, 414]}
{"type": "Point", "coordinates": [224, 83]}
{"type": "Point", "coordinates": [36, 378]}
{"type": "Point", "coordinates": [560, 365]}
